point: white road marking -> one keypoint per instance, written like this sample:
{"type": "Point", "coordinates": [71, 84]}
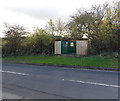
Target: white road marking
{"type": "Point", "coordinates": [14, 73]}
{"type": "Point", "coordinates": [93, 83]}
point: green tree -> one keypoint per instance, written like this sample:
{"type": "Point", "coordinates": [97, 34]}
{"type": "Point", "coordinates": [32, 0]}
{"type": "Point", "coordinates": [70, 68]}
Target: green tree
{"type": "Point", "coordinates": [100, 24]}
{"type": "Point", "coordinates": [40, 42]}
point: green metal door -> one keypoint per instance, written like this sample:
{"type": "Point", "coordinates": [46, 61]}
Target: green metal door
{"type": "Point", "coordinates": [64, 47]}
{"type": "Point", "coordinates": [68, 47]}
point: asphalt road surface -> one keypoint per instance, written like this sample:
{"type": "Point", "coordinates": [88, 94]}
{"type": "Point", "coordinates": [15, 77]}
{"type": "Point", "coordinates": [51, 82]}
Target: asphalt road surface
{"type": "Point", "coordinates": [20, 81]}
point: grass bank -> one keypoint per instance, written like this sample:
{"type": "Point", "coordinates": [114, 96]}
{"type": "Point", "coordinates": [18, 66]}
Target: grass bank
{"type": "Point", "coordinates": [92, 61]}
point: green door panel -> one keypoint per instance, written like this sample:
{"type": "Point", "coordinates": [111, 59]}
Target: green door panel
{"type": "Point", "coordinates": [68, 47]}
{"type": "Point", "coordinates": [64, 47]}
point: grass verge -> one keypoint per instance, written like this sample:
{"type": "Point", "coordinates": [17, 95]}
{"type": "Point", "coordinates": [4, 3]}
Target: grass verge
{"type": "Point", "coordinates": [92, 61]}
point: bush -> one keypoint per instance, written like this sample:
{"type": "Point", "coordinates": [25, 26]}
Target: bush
{"type": "Point", "coordinates": [115, 54]}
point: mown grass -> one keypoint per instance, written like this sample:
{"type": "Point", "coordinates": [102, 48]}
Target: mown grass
{"type": "Point", "coordinates": [92, 61]}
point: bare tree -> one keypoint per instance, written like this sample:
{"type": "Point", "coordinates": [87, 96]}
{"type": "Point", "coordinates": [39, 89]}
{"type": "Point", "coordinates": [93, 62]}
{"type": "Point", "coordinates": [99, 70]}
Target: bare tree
{"type": "Point", "coordinates": [14, 34]}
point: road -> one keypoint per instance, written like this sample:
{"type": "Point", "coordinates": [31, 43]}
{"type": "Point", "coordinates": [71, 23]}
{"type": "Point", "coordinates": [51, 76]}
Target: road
{"type": "Point", "coordinates": [47, 82]}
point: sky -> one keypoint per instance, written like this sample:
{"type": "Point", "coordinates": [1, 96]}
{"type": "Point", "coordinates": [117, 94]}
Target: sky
{"type": "Point", "coordinates": [36, 13]}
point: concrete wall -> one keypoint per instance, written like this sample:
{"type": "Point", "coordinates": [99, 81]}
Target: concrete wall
{"type": "Point", "coordinates": [81, 47]}
{"type": "Point", "coordinates": [57, 46]}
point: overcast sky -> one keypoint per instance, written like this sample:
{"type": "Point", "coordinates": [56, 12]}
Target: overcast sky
{"type": "Point", "coordinates": [31, 13]}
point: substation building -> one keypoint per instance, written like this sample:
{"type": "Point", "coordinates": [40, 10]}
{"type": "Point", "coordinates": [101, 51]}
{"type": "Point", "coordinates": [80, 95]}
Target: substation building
{"type": "Point", "coordinates": [72, 47]}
